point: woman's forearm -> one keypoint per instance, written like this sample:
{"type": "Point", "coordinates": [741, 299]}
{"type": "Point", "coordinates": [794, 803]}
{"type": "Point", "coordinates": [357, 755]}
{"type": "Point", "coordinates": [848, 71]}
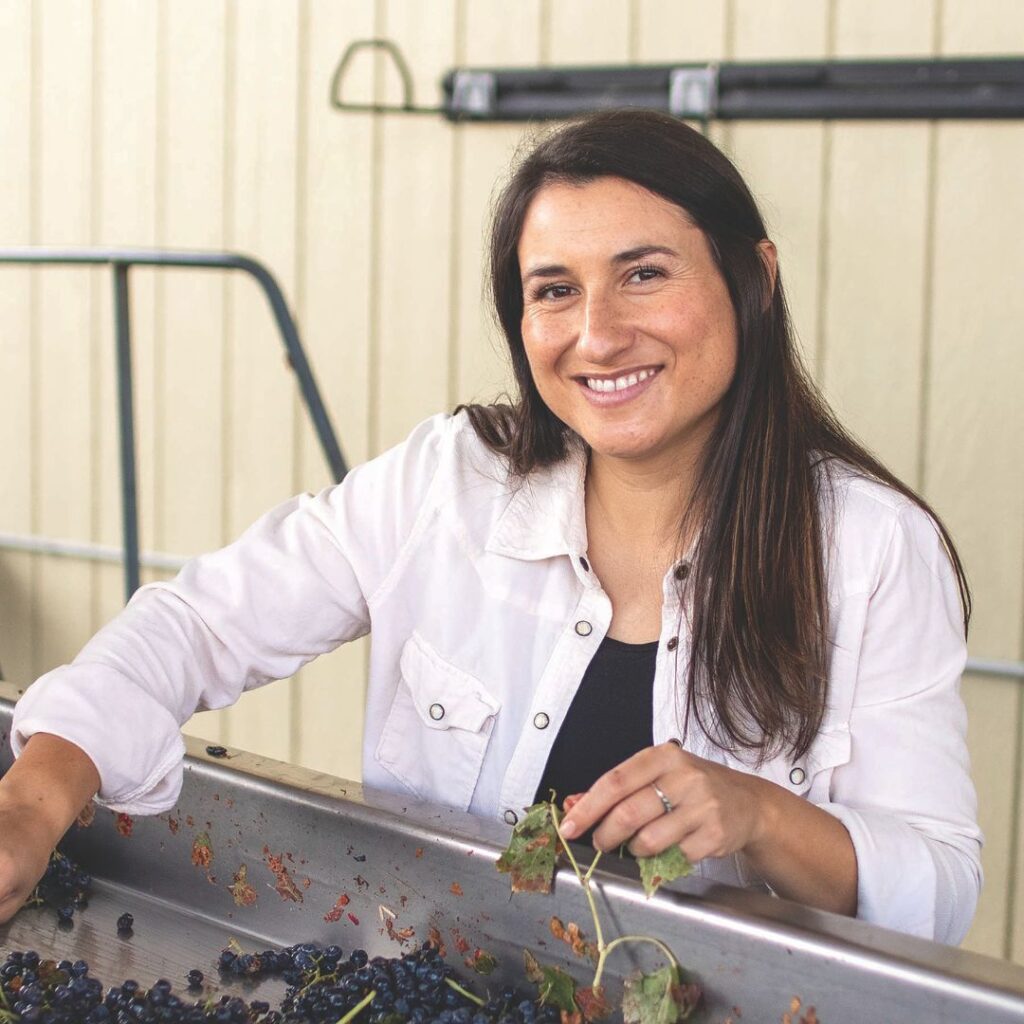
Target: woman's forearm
{"type": "Point", "coordinates": [803, 852]}
{"type": "Point", "coordinates": [52, 780]}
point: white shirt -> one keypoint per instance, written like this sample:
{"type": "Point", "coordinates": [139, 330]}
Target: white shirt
{"type": "Point", "coordinates": [485, 617]}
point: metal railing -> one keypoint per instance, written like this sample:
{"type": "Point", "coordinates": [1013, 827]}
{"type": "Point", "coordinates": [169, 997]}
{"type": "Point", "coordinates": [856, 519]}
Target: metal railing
{"type": "Point", "coordinates": [121, 260]}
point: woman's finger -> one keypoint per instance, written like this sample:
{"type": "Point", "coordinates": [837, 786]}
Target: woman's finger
{"type": "Point", "coordinates": [642, 810]}
{"type": "Point", "coordinates": [617, 785]}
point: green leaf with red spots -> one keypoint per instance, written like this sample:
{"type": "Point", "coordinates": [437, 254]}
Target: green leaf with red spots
{"type": "Point", "coordinates": [658, 998]}
{"type": "Point", "coordinates": [532, 851]}
{"type": "Point", "coordinates": [663, 867]}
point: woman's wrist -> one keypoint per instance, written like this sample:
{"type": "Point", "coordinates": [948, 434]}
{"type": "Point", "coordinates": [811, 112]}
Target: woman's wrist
{"type": "Point", "coordinates": [49, 784]}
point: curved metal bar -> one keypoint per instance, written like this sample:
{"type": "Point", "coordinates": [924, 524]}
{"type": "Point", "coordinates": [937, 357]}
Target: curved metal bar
{"type": "Point", "coordinates": [121, 260]}
{"type": "Point", "coordinates": [389, 47]}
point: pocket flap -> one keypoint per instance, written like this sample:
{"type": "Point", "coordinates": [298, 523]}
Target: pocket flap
{"type": "Point", "coordinates": [829, 750]}
{"type": "Point", "coordinates": [444, 696]}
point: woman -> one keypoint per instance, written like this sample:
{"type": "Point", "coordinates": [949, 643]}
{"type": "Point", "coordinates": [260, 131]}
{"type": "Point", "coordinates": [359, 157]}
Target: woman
{"type": "Point", "coordinates": [663, 580]}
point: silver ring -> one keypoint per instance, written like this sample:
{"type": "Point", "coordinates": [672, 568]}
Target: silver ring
{"type": "Point", "coordinates": [665, 802]}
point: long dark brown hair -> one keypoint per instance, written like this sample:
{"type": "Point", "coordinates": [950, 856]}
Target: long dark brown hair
{"type": "Point", "coordinates": [757, 586]}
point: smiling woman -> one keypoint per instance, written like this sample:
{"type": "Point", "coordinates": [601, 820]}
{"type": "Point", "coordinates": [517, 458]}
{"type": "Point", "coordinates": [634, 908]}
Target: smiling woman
{"type": "Point", "coordinates": [661, 580]}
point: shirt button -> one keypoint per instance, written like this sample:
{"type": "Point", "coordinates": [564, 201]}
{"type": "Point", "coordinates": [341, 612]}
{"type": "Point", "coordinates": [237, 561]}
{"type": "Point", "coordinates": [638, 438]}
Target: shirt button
{"type": "Point", "coordinates": [585, 564]}
{"type": "Point", "coordinates": [682, 571]}
{"type": "Point", "coordinates": [511, 817]}
{"type": "Point", "coordinates": [673, 643]}
{"type": "Point", "coordinates": [436, 712]}
{"type": "Point", "coordinates": [584, 628]}
{"type": "Point", "coordinates": [797, 775]}
{"type": "Point", "coordinates": [540, 720]}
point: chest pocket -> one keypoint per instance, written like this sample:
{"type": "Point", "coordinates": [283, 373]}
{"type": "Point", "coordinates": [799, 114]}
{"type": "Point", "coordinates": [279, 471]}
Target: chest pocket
{"type": "Point", "coordinates": [436, 733]}
{"type": "Point", "coordinates": [811, 775]}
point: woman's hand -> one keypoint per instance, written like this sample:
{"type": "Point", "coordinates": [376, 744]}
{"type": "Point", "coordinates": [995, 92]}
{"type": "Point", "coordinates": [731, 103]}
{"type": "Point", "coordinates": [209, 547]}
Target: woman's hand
{"type": "Point", "coordinates": [40, 796]}
{"type": "Point", "coordinates": [801, 851]}
{"type": "Point", "coordinates": [716, 811]}
{"type": "Point", "coordinates": [25, 846]}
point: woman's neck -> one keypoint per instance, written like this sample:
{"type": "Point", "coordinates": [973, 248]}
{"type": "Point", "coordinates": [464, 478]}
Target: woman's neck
{"type": "Point", "coordinates": [640, 503]}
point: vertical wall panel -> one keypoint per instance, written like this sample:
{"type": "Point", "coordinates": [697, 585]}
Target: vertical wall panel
{"type": "Point", "coordinates": [665, 31]}
{"type": "Point", "coordinates": [333, 300]}
{"type": "Point", "coordinates": [587, 31]}
{"type": "Point", "coordinates": [125, 155]}
{"type": "Point", "coordinates": [414, 254]}
{"type": "Point", "coordinates": [974, 431]}
{"type": "Point", "coordinates": [16, 409]}
{"type": "Point", "coordinates": [873, 309]}
{"type": "Point", "coordinates": [260, 392]}
{"type": "Point", "coordinates": [64, 415]}
{"type": "Point", "coordinates": [786, 164]}
{"type": "Point", "coordinates": [502, 35]}
{"type": "Point", "coordinates": [189, 456]}
{"type": "Point", "coordinates": [973, 445]}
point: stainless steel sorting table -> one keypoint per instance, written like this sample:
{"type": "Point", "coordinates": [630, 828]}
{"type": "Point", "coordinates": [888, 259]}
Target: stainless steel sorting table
{"type": "Point", "coordinates": [305, 840]}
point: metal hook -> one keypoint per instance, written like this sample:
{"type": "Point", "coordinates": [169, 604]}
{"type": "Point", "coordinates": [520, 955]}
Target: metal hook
{"type": "Point", "coordinates": [404, 73]}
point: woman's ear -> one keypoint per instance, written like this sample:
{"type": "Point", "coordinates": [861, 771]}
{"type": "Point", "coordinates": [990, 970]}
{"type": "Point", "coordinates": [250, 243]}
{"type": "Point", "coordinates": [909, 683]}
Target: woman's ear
{"type": "Point", "coordinates": [770, 258]}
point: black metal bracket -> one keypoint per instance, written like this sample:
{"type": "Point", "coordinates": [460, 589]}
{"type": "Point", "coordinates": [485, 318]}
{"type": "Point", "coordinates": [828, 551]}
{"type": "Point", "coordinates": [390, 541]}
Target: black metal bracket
{"type": "Point", "coordinates": [906, 88]}
{"type": "Point", "coordinates": [121, 260]}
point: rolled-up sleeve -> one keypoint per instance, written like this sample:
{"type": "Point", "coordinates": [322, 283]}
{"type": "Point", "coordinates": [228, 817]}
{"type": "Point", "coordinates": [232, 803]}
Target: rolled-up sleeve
{"type": "Point", "coordinates": [295, 585]}
{"type": "Point", "coordinates": [906, 795]}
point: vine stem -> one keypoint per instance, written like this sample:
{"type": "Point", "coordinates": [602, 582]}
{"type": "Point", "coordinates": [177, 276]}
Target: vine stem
{"type": "Point", "coordinates": [361, 1005]}
{"type": "Point", "coordinates": [603, 950]}
{"type": "Point", "coordinates": [584, 880]}
{"type": "Point", "coordinates": [621, 940]}
{"type": "Point", "coordinates": [452, 983]}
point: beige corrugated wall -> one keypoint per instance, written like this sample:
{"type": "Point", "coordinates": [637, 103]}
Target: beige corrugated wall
{"type": "Point", "coordinates": [205, 123]}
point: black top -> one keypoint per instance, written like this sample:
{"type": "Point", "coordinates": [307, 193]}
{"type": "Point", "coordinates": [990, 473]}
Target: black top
{"type": "Point", "coordinates": [609, 720]}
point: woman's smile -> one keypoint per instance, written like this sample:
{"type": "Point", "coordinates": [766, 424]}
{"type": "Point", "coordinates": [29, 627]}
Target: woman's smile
{"type": "Point", "coordinates": [620, 388]}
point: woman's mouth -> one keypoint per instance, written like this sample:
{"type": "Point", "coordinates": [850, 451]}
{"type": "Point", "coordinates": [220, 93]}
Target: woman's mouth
{"type": "Point", "coordinates": [620, 388]}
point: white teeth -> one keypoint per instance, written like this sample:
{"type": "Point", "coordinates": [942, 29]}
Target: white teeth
{"type": "Point", "coordinates": [619, 383]}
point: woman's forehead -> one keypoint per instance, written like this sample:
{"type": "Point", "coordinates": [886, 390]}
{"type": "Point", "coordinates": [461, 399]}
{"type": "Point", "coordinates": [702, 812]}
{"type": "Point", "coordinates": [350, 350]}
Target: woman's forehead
{"type": "Point", "coordinates": [605, 213]}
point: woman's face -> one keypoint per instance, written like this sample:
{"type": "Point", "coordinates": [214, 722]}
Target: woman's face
{"type": "Point", "coordinates": [627, 321]}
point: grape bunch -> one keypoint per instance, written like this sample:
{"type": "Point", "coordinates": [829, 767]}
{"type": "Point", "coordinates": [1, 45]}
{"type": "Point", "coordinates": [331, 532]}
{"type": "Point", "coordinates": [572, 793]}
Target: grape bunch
{"type": "Point", "coordinates": [64, 886]}
{"type": "Point", "coordinates": [323, 986]}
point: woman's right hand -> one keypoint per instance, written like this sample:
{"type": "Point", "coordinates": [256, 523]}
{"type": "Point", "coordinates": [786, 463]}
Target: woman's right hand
{"type": "Point", "coordinates": [40, 796]}
{"type": "Point", "coordinates": [25, 846]}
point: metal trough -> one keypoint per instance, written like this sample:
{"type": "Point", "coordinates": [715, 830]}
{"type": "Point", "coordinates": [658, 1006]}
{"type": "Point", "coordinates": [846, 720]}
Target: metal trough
{"type": "Point", "coordinates": [305, 840]}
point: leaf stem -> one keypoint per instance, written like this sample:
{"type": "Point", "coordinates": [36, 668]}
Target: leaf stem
{"type": "Point", "coordinates": [669, 955]}
{"type": "Point", "coordinates": [452, 983]}
{"type": "Point", "coordinates": [584, 880]}
{"type": "Point", "coordinates": [361, 1005]}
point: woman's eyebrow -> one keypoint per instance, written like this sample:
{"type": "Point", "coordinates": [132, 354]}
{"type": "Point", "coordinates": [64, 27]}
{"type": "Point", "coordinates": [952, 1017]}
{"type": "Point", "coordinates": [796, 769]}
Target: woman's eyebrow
{"type": "Point", "coordinates": [627, 256]}
{"type": "Point", "coordinates": [545, 270]}
{"type": "Point", "coordinates": [640, 251]}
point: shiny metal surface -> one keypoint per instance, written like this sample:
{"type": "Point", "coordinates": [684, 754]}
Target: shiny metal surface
{"type": "Point", "coordinates": [306, 840]}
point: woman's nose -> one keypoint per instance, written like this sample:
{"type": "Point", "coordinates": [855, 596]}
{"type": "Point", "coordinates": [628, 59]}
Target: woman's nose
{"type": "Point", "coordinates": [603, 334]}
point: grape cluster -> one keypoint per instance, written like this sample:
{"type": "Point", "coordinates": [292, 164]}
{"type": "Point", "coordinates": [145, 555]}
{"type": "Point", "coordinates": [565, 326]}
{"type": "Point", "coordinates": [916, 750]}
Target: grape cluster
{"type": "Point", "coordinates": [323, 986]}
{"type": "Point", "coordinates": [64, 886]}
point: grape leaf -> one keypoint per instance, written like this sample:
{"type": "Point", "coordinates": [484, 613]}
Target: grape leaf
{"type": "Point", "coordinates": [657, 998]}
{"type": "Point", "coordinates": [532, 851]}
{"type": "Point", "coordinates": [663, 867]}
{"type": "Point", "coordinates": [593, 1004]}
{"type": "Point", "coordinates": [557, 989]}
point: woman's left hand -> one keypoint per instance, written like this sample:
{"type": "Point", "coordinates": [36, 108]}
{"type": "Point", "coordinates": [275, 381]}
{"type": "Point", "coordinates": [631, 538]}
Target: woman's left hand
{"type": "Point", "coordinates": [715, 811]}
